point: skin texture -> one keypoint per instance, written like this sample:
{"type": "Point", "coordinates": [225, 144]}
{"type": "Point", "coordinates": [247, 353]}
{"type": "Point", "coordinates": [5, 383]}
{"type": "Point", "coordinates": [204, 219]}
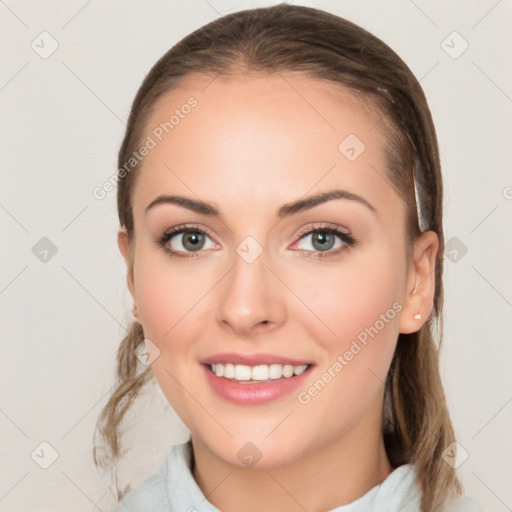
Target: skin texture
{"type": "Point", "coordinates": [251, 144]}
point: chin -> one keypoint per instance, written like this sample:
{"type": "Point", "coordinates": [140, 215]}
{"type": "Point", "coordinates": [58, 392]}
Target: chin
{"type": "Point", "coordinates": [255, 448]}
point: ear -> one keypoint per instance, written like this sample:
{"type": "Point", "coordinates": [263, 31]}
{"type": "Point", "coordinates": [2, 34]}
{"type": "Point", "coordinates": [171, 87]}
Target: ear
{"type": "Point", "coordinates": [123, 241]}
{"type": "Point", "coordinates": [421, 283]}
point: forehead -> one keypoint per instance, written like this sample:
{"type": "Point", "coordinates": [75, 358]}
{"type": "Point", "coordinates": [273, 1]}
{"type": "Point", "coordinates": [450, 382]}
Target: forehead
{"type": "Point", "coordinates": [261, 135]}
{"type": "Point", "coordinates": [279, 96]}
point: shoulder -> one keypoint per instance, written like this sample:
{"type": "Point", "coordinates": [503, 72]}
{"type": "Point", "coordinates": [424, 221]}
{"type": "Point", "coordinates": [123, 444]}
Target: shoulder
{"type": "Point", "coordinates": [401, 492]}
{"type": "Point", "coordinates": [170, 488]}
{"type": "Point", "coordinates": [151, 495]}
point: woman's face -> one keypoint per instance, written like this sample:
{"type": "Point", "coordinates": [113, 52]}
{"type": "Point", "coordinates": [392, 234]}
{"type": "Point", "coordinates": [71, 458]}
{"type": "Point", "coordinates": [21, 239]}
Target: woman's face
{"type": "Point", "coordinates": [266, 279]}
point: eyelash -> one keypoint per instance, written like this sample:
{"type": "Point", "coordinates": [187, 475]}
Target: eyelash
{"type": "Point", "coordinates": [170, 233]}
{"type": "Point", "coordinates": [345, 237]}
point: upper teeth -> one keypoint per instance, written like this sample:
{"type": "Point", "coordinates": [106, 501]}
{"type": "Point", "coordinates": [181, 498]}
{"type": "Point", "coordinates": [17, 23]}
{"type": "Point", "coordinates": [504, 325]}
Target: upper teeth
{"type": "Point", "coordinates": [259, 372]}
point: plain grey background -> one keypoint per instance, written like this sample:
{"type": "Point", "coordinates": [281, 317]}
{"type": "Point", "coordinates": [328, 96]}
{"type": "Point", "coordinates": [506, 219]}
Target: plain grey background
{"type": "Point", "coordinates": [70, 70]}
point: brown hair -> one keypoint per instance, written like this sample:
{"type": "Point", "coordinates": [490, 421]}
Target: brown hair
{"type": "Point", "coordinates": [320, 45]}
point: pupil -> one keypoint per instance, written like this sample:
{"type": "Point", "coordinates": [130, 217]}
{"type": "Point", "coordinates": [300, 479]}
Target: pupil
{"type": "Point", "coordinates": [323, 239]}
{"type": "Point", "coordinates": [194, 239]}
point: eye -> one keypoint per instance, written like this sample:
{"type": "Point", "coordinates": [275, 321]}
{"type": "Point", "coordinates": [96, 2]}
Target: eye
{"type": "Point", "coordinates": [325, 240]}
{"type": "Point", "coordinates": [183, 242]}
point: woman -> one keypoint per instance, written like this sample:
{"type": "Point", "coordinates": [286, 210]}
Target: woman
{"type": "Point", "coordinates": [280, 204]}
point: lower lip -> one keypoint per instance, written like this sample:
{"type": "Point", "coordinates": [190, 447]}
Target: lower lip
{"type": "Point", "coordinates": [254, 393]}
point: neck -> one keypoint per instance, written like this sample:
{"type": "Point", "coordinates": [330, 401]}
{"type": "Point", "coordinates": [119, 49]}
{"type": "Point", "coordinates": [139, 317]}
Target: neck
{"type": "Point", "coordinates": [334, 474]}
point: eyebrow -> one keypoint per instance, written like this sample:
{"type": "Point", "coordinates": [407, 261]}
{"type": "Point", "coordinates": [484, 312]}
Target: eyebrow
{"type": "Point", "coordinates": [285, 210]}
{"type": "Point", "coordinates": [322, 197]}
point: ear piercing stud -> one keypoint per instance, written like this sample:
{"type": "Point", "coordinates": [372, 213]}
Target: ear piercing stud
{"type": "Point", "coordinates": [417, 316]}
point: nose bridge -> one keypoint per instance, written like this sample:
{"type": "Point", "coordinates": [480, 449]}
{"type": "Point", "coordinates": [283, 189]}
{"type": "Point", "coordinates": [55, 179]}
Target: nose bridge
{"type": "Point", "coordinates": [248, 297]}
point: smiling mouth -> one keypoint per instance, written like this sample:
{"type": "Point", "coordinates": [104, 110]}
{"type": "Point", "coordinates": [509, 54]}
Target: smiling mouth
{"type": "Point", "coordinates": [256, 374]}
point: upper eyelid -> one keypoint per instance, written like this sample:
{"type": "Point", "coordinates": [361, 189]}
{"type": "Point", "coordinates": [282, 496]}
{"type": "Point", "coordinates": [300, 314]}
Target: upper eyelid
{"type": "Point", "coordinates": [180, 228]}
{"type": "Point", "coordinates": [322, 226]}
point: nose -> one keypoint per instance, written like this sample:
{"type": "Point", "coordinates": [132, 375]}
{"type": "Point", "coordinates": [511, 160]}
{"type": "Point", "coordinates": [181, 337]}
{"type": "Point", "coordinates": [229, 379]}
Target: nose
{"type": "Point", "coordinates": [249, 298]}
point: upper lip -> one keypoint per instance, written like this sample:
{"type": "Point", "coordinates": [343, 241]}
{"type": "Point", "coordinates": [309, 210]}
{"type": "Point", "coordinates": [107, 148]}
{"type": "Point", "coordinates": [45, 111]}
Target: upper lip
{"type": "Point", "coordinates": [252, 359]}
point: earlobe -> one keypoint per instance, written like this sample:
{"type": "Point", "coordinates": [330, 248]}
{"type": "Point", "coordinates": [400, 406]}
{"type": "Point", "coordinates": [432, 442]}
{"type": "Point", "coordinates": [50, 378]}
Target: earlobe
{"type": "Point", "coordinates": [421, 280]}
{"type": "Point", "coordinates": [123, 242]}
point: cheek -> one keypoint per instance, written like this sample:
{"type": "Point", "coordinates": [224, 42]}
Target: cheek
{"type": "Point", "coordinates": [348, 300]}
{"type": "Point", "coordinates": [170, 299]}
{"type": "Point", "coordinates": [173, 307]}
{"type": "Point", "coordinates": [168, 293]}
{"type": "Point", "coordinates": [357, 306]}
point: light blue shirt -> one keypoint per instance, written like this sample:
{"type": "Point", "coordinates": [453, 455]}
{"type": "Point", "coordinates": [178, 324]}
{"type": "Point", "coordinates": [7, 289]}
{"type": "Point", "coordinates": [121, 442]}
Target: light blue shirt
{"type": "Point", "coordinates": [173, 489]}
